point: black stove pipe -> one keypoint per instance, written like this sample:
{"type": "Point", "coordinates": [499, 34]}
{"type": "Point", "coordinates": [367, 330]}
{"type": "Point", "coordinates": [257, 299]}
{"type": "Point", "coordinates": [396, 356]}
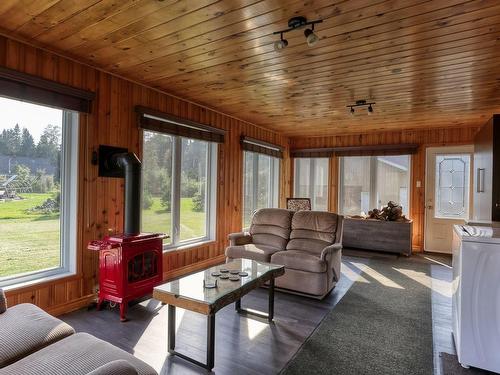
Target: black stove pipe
{"type": "Point", "coordinates": [131, 166]}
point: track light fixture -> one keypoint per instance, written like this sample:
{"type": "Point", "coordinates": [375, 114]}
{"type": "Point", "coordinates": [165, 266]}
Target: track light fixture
{"type": "Point", "coordinates": [297, 23]}
{"type": "Point", "coordinates": [361, 103]}
{"type": "Point", "coordinates": [280, 44]}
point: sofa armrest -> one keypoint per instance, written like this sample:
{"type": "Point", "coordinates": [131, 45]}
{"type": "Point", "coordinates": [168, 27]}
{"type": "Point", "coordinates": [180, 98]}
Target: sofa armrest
{"type": "Point", "coordinates": [117, 367]}
{"type": "Point", "coordinates": [3, 302]}
{"type": "Point", "coordinates": [332, 255]}
{"type": "Point", "coordinates": [241, 238]}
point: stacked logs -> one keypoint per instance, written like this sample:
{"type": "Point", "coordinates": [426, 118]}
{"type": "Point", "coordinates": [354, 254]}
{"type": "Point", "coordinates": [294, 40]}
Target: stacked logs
{"type": "Point", "coordinates": [391, 212]}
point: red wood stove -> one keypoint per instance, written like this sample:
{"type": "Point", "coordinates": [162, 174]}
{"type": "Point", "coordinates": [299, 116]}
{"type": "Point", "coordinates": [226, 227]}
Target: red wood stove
{"type": "Point", "coordinates": [130, 264]}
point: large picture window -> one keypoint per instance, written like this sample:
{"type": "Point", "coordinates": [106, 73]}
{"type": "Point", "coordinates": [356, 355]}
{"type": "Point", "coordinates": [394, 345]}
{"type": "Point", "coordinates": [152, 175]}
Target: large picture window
{"type": "Point", "coordinates": [311, 181]}
{"type": "Point", "coordinates": [260, 183]}
{"type": "Point", "coordinates": [38, 181]}
{"type": "Point", "coordinates": [368, 182]}
{"type": "Point", "coordinates": [178, 192]}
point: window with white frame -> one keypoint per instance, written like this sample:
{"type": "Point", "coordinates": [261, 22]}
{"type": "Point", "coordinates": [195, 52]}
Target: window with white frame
{"type": "Point", "coordinates": [179, 187]}
{"type": "Point", "coordinates": [368, 182]}
{"type": "Point", "coordinates": [260, 183]}
{"type": "Point", "coordinates": [311, 181]}
{"type": "Point", "coordinates": [38, 186]}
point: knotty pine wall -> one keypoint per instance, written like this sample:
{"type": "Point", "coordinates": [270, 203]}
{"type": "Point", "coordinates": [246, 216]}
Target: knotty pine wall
{"type": "Point", "coordinates": [113, 122]}
{"type": "Point", "coordinates": [424, 138]}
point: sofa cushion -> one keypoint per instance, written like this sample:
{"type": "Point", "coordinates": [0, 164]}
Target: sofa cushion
{"type": "Point", "coordinates": [312, 231]}
{"type": "Point", "coordinates": [78, 354]}
{"type": "Point", "coordinates": [261, 253]}
{"type": "Point", "coordinates": [299, 260]}
{"type": "Point", "coordinates": [3, 302]}
{"type": "Point", "coordinates": [271, 227]}
{"type": "Point", "coordinates": [26, 328]}
{"type": "Point", "coordinates": [118, 367]}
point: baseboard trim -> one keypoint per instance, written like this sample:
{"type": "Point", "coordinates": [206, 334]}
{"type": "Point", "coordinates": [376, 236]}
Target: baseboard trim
{"type": "Point", "coordinates": [194, 267]}
{"type": "Point", "coordinates": [73, 305]}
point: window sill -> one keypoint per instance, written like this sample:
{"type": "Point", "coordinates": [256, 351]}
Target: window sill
{"type": "Point", "coordinates": [39, 280]}
{"type": "Point", "coordinates": [188, 246]}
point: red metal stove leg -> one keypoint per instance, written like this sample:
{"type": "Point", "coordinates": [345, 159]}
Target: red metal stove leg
{"type": "Point", "coordinates": [123, 311]}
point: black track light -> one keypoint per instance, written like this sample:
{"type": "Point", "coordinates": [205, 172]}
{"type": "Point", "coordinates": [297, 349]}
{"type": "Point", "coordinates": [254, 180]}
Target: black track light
{"type": "Point", "coordinates": [297, 23]}
{"type": "Point", "coordinates": [361, 103]}
{"type": "Point", "coordinates": [311, 37]}
{"type": "Point", "coordinates": [281, 44]}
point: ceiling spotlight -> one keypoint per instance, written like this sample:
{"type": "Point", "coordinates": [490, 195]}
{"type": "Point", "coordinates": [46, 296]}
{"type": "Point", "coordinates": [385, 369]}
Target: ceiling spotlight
{"type": "Point", "coordinates": [281, 44]}
{"type": "Point", "coordinates": [297, 23]}
{"type": "Point", "coordinates": [311, 37]}
{"type": "Point", "coordinates": [361, 103]}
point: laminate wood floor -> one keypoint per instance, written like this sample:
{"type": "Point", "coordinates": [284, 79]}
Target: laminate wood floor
{"type": "Point", "coordinates": [246, 345]}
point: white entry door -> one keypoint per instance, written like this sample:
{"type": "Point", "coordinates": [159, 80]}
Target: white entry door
{"type": "Point", "coordinates": [447, 194]}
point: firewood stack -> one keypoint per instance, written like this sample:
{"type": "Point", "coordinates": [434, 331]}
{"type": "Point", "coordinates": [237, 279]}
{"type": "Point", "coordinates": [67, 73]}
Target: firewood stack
{"type": "Point", "coordinates": [391, 212]}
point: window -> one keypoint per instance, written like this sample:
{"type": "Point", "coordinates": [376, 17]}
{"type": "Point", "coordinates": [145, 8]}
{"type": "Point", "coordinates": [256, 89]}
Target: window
{"type": "Point", "coordinates": [260, 183]}
{"type": "Point", "coordinates": [452, 186]}
{"type": "Point", "coordinates": [311, 181]}
{"type": "Point", "coordinates": [38, 181]}
{"type": "Point", "coordinates": [368, 182]}
{"type": "Point", "coordinates": [179, 185]}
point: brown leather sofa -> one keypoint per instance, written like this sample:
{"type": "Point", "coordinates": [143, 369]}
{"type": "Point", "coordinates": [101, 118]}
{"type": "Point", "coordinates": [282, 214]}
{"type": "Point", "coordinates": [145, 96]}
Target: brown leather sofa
{"type": "Point", "coordinates": [307, 243]}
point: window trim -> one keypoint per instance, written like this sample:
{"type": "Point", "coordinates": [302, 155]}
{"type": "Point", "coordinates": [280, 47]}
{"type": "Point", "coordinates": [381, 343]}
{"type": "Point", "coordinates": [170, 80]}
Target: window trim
{"type": "Point", "coordinates": [210, 198]}
{"type": "Point", "coordinates": [312, 177]}
{"type": "Point", "coordinates": [68, 214]}
{"type": "Point", "coordinates": [274, 181]}
{"type": "Point", "coordinates": [373, 182]}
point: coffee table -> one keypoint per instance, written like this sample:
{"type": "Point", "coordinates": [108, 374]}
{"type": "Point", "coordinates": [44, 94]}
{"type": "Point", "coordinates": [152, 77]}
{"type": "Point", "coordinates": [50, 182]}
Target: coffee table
{"type": "Point", "coordinates": [189, 293]}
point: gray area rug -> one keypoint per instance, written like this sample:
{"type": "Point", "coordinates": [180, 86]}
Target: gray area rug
{"type": "Point", "coordinates": [452, 367]}
{"type": "Point", "coordinates": [383, 325]}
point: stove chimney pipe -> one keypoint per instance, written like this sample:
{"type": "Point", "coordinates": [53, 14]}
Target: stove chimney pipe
{"type": "Point", "coordinates": [131, 165]}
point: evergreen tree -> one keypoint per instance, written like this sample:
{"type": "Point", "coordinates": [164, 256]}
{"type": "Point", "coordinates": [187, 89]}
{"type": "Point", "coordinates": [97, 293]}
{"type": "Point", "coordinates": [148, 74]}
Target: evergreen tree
{"type": "Point", "coordinates": [27, 147]}
{"type": "Point", "coordinates": [49, 144]}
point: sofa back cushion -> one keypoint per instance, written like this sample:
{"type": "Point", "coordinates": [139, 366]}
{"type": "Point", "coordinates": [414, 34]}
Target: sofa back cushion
{"type": "Point", "coordinates": [271, 227]}
{"type": "Point", "coordinates": [312, 231]}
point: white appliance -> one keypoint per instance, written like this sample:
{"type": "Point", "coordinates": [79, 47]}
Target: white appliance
{"type": "Point", "coordinates": [476, 296]}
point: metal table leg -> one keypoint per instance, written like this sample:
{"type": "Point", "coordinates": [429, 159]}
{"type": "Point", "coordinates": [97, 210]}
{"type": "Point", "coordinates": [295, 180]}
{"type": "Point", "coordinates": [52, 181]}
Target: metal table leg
{"type": "Point", "coordinates": [270, 315]}
{"type": "Point", "coordinates": [210, 340]}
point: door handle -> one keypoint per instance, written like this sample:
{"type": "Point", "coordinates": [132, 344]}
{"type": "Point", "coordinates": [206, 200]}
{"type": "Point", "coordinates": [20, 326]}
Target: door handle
{"type": "Point", "coordinates": [429, 207]}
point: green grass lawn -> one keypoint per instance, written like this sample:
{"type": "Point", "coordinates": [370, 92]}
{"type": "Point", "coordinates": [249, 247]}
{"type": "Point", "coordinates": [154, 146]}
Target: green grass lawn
{"type": "Point", "coordinates": [31, 241]}
{"type": "Point", "coordinates": [156, 219]}
{"type": "Point", "coordinates": [28, 241]}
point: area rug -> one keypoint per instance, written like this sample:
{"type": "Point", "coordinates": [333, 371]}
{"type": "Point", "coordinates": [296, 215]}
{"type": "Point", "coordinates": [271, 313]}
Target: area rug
{"type": "Point", "coordinates": [383, 325]}
{"type": "Point", "coordinates": [452, 367]}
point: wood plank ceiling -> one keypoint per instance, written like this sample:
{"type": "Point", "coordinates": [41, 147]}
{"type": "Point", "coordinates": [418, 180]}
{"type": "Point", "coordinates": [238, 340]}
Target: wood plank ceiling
{"type": "Point", "coordinates": [425, 63]}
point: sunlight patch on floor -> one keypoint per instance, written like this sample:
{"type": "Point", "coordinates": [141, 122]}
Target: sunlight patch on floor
{"type": "Point", "coordinates": [440, 286]}
{"type": "Point", "coordinates": [384, 280]}
{"type": "Point", "coordinates": [353, 275]}
{"type": "Point", "coordinates": [255, 328]}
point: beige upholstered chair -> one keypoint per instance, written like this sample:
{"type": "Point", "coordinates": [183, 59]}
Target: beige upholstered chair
{"type": "Point", "coordinates": [307, 243]}
{"type": "Point", "coordinates": [269, 233]}
{"type": "Point", "coordinates": [313, 255]}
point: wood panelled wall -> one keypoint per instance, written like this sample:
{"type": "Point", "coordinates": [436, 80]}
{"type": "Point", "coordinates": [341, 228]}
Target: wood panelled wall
{"type": "Point", "coordinates": [113, 122]}
{"type": "Point", "coordinates": [424, 138]}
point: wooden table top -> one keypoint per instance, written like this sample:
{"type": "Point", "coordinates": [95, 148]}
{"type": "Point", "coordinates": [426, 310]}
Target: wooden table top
{"type": "Point", "coordinates": [189, 293]}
